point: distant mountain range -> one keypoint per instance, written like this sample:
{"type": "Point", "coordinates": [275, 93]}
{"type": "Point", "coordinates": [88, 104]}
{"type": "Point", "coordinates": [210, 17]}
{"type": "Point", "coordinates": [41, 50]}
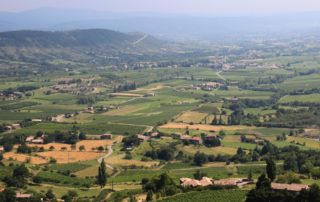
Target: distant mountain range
{"type": "Point", "coordinates": [169, 26]}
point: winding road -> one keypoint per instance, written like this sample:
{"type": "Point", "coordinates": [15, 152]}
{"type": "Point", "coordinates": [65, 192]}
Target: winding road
{"type": "Point", "coordinates": [110, 151]}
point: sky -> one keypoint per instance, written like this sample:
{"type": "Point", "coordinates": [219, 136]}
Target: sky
{"type": "Point", "coordinates": [193, 7]}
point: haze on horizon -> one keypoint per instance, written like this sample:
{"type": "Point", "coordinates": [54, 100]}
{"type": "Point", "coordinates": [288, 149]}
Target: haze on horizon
{"type": "Point", "coordinates": [189, 7]}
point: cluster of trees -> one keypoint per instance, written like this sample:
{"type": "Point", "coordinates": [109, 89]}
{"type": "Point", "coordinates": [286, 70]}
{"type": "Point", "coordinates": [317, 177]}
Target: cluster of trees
{"type": "Point", "coordinates": [211, 142]}
{"type": "Point", "coordinates": [162, 185]}
{"type": "Point", "coordinates": [86, 100]}
{"type": "Point", "coordinates": [19, 177]}
{"type": "Point", "coordinates": [264, 192]}
{"type": "Point", "coordinates": [130, 141]}
{"type": "Point", "coordinates": [166, 153]}
{"type": "Point", "coordinates": [70, 81]}
{"type": "Point", "coordinates": [22, 89]}
{"type": "Point", "coordinates": [70, 137]}
{"type": "Point", "coordinates": [125, 87]}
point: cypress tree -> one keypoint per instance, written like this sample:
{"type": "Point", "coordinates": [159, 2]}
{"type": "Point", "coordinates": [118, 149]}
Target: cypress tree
{"type": "Point", "coordinates": [102, 175]}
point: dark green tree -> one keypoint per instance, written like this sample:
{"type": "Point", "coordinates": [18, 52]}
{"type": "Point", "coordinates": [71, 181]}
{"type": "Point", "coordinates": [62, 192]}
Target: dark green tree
{"type": "Point", "coordinates": [271, 169]}
{"type": "Point", "coordinates": [50, 195]}
{"type": "Point", "coordinates": [102, 174]}
{"type": "Point", "coordinates": [149, 196]}
{"type": "Point", "coordinates": [200, 158]}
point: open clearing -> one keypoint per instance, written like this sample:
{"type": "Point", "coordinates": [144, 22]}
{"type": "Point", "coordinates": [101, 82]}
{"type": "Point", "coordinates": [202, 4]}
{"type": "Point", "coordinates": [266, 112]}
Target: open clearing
{"type": "Point", "coordinates": [126, 95]}
{"type": "Point", "coordinates": [88, 144]}
{"type": "Point", "coordinates": [70, 156]}
{"type": "Point", "coordinates": [119, 160]}
{"type": "Point", "coordinates": [191, 116]}
{"type": "Point", "coordinates": [24, 158]}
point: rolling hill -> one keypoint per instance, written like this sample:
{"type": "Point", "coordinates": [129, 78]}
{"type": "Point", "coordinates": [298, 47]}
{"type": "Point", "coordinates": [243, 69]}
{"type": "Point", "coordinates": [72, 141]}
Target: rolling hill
{"type": "Point", "coordinates": [76, 45]}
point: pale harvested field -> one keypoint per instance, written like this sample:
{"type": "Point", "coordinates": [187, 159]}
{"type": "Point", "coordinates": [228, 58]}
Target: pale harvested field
{"type": "Point", "coordinates": [24, 158]}
{"type": "Point", "coordinates": [118, 160]}
{"type": "Point", "coordinates": [88, 144]}
{"type": "Point", "coordinates": [190, 116]}
{"type": "Point", "coordinates": [309, 142]}
{"type": "Point", "coordinates": [81, 118]}
{"type": "Point", "coordinates": [69, 157]}
{"type": "Point", "coordinates": [125, 95]}
{"type": "Point", "coordinates": [203, 127]}
{"type": "Point", "coordinates": [150, 88]}
{"type": "Point", "coordinates": [123, 110]}
{"type": "Point", "coordinates": [191, 149]}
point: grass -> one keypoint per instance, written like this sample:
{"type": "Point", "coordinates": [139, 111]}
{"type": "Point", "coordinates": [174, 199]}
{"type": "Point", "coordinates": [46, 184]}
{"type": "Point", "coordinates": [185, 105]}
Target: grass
{"type": "Point", "coordinates": [191, 117]}
{"type": "Point", "coordinates": [72, 167]}
{"type": "Point", "coordinates": [209, 196]}
{"type": "Point", "coordinates": [56, 178]}
{"type": "Point", "coordinates": [312, 98]}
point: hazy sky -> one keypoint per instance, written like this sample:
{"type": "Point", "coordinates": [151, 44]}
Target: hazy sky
{"type": "Point", "coordinates": [206, 7]}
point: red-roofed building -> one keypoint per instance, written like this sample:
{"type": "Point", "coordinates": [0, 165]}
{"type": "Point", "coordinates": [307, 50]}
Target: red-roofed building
{"type": "Point", "coordinates": [106, 136]}
{"type": "Point", "coordinates": [196, 140]}
{"type": "Point", "coordinates": [23, 196]}
{"type": "Point", "coordinates": [289, 187]}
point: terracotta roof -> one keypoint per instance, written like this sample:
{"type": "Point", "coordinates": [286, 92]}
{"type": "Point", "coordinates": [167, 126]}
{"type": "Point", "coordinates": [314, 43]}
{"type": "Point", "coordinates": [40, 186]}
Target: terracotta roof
{"type": "Point", "coordinates": [188, 182]}
{"type": "Point", "coordinates": [289, 187]}
{"type": "Point", "coordinates": [20, 195]}
{"type": "Point", "coordinates": [142, 137]}
{"type": "Point", "coordinates": [29, 138]}
{"type": "Point", "coordinates": [228, 182]}
{"type": "Point", "coordinates": [185, 137]}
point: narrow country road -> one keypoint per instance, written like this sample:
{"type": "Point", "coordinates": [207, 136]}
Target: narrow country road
{"type": "Point", "coordinates": [219, 75]}
{"type": "Point", "coordinates": [110, 151]}
{"type": "Point", "coordinates": [141, 39]}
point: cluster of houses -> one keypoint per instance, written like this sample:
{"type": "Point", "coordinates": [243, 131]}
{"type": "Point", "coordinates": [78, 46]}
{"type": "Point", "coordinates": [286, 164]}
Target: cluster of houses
{"type": "Point", "coordinates": [12, 126]}
{"type": "Point", "coordinates": [35, 140]}
{"type": "Point", "coordinates": [205, 181]}
{"type": "Point", "coordinates": [10, 96]}
{"type": "Point", "coordinates": [106, 136]}
{"type": "Point", "coordinates": [92, 110]}
{"type": "Point", "coordinates": [239, 182]}
{"type": "Point", "coordinates": [75, 89]}
{"type": "Point", "coordinates": [208, 86]}
{"type": "Point", "coordinates": [196, 140]}
{"type": "Point", "coordinates": [143, 138]}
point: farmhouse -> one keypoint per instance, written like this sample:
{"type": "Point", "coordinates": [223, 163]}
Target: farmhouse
{"type": "Point", "coordinates": [232, 182]}
{"type": "Point", "coordinates": [187, 182]}
{"type": "Point", "coordinates": [38, 141]}
{"type": "Point", "coordinates": [209, 86]}
{"type": "Point", "coordinates": [29, 138]}
{"type": "Point", "coordinates": [36, 120]}
{"type": "Point", "coordinates": [13, 126]}
{"type": "Point", "coordinates": [8, 127]}
{"type": "Point", "coordinates": [195, 140]}
{"type": "Point", "coordinates": [23, 196]}
{"type": "Point", "coordinates": [155, 135]}
{"type": "Point", "coordinates": [289, 187]}
{"type": "Point", "coordinates": [89, 110]}
{"type": "Point", "coordinates": [143, 138]}
{"type": "Point", "coordinates": [106, 136]}
{"type": "Point", "coordinates": [32, 139]}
